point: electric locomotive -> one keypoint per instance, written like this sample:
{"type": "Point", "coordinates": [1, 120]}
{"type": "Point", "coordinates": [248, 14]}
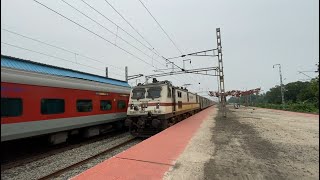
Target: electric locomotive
{"type": "Point", "coordinates": [155, 106]}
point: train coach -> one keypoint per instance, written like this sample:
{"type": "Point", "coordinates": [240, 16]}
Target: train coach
{"type": "Point", "coordinates": [39, 99]}
{"type": "Point", "coordinates": [155, 106]}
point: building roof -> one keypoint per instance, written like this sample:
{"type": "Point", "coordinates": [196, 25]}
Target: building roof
{"type": "Point", "coordinates": [27, 65]}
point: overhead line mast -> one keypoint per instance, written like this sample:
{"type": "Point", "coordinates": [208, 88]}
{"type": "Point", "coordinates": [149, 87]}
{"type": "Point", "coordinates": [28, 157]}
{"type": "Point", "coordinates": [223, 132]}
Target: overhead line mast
{"type": "Point", "coordinates": [215, 53]}
{"type": "Point", "coordinates": [221, 74]}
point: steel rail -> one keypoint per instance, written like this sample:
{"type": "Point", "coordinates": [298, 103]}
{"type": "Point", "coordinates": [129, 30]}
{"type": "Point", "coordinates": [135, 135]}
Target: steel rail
{"type": "Point", "coordinates": [65, 169]}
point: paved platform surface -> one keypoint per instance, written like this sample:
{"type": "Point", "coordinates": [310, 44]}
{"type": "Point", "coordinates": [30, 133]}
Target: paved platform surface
{"type": "Point", "coordinates": [152, 158]}
{"type": "Point", "coordinates": [251, 143]}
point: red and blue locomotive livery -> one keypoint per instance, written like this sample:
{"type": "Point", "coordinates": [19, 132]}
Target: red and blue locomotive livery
{"type": "Point", "coordinates": [39, 99]}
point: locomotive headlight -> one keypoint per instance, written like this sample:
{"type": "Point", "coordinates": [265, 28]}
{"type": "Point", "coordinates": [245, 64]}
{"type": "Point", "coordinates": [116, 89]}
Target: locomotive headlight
{"type": "Point", "coordinates": [158, 105]}
{"type": "Point", "coordinates": [131, 106]}
{"type": "Point", "coordinates": [144, 105]}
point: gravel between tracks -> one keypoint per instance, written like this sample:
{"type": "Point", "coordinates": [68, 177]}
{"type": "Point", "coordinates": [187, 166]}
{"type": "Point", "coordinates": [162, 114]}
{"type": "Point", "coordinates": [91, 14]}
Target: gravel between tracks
{"type": "Point", "coordinates": [94, 162]}
{"type": "Point", "coordinates": [252, 144]}
{"type": "Point", "coordinates": [37, 169]}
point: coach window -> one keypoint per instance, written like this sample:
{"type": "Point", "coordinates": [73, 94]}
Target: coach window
{"type": "Point", "coordinates": [179, 104]}
{"type": "Point", "coordinates": [105, 105]}
{"type": "Point", "coordinates": [52, 106]}
{"type": "Point", "coordinates": [84, 105]}
{"type": "Point", "coordinates": [169, 92]}
{"type": "Point", "coordinates": [121, 104]}
{"type": "Point", "coordinates": [179, 94]}
{"type": "Point", "coordinates": [11, 107]}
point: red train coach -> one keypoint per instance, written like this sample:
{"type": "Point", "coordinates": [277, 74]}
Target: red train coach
{"type": "Point", "coordinates": [39, 99]}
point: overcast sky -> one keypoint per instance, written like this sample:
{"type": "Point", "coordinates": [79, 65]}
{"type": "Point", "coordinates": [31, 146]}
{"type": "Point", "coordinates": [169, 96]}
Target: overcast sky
{"type": "Point", "coordinates": [255, 35]}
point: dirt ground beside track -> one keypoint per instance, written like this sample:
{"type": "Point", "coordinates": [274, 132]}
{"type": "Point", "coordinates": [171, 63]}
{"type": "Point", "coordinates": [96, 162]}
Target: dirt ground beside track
{"type": "Point", "coordinates": [252, 144]}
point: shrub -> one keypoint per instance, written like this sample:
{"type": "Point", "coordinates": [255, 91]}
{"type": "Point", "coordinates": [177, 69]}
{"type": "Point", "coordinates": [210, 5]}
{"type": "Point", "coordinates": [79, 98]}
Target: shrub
{"type": "Point", "coordinates": [296, 107]}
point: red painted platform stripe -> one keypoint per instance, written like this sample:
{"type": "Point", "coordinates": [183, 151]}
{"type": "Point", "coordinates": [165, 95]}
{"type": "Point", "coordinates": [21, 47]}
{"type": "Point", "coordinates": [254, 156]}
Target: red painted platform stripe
{"type": "Point", "coordinates": [151, 158]}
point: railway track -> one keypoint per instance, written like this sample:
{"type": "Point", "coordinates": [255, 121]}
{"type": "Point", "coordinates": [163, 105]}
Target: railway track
{"type": "Point", "coordinates": [84, 161]}
{"type": "Point", "coordinates": [20, 160]}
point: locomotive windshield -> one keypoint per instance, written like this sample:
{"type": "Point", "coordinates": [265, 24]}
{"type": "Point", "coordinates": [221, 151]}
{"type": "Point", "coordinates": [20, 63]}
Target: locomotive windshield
{"type": "Point", "coordinates": [154, 92]}
{"type": "Point", "coordinates": [138, 93]}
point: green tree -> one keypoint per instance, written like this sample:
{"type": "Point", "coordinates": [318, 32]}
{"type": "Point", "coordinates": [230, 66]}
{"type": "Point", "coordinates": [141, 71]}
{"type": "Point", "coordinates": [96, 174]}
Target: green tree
{"type": "Point", "coordinates": [293, 89]}
{"type": "Point", "coordinates": [273, 96]}
{"type": "Point", "coordinates": [314, 87]}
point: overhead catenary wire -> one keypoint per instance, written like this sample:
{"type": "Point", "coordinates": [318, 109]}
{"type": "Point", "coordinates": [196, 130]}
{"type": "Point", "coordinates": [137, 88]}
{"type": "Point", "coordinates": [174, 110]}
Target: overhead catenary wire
{"type": "Point", "coordinates": [156, 52]}
{"type": "Point", "coordinates": [301, 72]}
{"type": "Point", "coordinates": [161, 27]}
{"type": "Point", "coordinates": [94, 33]}
{"type": "Point", "coordinates": [56, 57]}
{"type": "Point", "coordinates": [152, 48]}
{"type": "Point", "coordinates": [166, 35]}
{"type": "Point", "coordinates": [118, 26]}
{"type": "Point", "coordinates": [57, 47]}
{"type": "Point", "coordinates": [115, 24]}
{"type": "Point", "coordinates": [130, 26]}
{"type": "Point", "coordinates": [109, 31]}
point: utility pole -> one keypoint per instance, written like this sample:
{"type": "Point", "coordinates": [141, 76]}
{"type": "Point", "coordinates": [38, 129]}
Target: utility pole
{"type": "Point", "coordinates": [281, 84]}
{"type": "Point", "coordinates": [126, 73]}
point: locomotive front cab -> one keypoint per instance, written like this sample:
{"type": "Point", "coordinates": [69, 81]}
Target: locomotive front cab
{"type": "Point", "coordinates": [147, 101]}
{"type": "Point", "coordinates": [148, 106]}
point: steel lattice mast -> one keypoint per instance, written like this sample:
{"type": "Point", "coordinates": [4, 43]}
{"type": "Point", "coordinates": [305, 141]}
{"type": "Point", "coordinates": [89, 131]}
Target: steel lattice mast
{"type": "Point", "coordinates": [221, 75]}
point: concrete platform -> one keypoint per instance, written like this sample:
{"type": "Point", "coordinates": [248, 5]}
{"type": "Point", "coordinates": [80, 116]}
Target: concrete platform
{"type": "Point", "coordinates": [152, 158]}
{"type": "Point", "coordinates": [292, 113]}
